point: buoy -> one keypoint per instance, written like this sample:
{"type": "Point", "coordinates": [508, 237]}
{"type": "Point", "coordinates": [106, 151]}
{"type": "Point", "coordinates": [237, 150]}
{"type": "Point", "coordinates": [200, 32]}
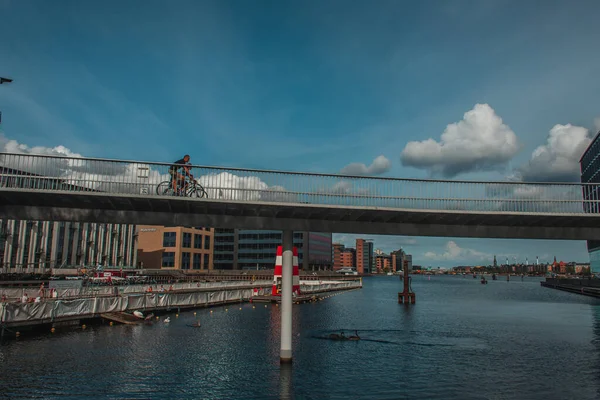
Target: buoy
{"type": "Point", "coordinates": [265, 306]}
{"type": "Point", "coordinates": [240, 308]}
{"type": "Point", "coordinates": [211, 311]}
{"type": "Point", "coordinates": [194, 312]}
{"type": "Point", "coordinates": [52, 330]}
{"type": "Point", "coordinates": [83, 326]}
{"type": "Point", "coordinates": [177, 315]}
{"type": "Point", "coordinates": [157, 318]}
{"type": "Point", "coordinates": [18, 334]}
{"type": "Point", "coordinates": [225, 309]}
{"type": "Point", "coordinates": [110, 323]}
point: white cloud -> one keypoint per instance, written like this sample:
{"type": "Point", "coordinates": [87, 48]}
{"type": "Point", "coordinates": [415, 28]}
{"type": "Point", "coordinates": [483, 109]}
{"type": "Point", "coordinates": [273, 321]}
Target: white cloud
{"type": "Point", "coordinates": [453, 252]}
{"type": "Point", "coordinates": [379, 166]}
{"type": "Point", "coordinates": [479, 142]}
{"type": "Point", "coordinates": [228, 186]}
{"type": "Point", "coordinates": [558, 159]}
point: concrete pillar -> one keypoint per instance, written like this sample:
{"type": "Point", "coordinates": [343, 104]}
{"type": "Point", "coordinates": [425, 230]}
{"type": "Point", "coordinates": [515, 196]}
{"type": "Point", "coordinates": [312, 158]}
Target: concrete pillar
{"type": "Point", "coordinates": [287, 271]}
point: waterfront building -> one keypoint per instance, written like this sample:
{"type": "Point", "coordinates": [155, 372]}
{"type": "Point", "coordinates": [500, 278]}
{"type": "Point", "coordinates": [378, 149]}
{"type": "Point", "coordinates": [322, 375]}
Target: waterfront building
{"type": "Point", "coordinates": [180, 248]}
{"type": "Point", "coordinates": [338, 249]}
{"type": "Point", "coordinates": [590, 173]}
{"type": "Point", "coordinates": [398, 258]}
{"type": "Point", "coordinates": [364, 256]}
{"type": "Point", "coordinates": [349, 258]}
{"type": "Point", "coordinates": [35, 246]}
{"type": "Point", "coordinates": [383, 262]}
{"type": "Point", "coordinates": [256, 249]}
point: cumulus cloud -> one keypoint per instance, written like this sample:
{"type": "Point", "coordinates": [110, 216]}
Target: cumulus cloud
{"type": "Point", "coordinates": [479, 142]}
{"type": "Point", "coordinates": [558, 159]}
{"type": "Point", "coordinates": [228, 186]}
{"type": "Point", "coordinates": [379, 166]}
{"type": "Point", "coordinates": [453, 252]}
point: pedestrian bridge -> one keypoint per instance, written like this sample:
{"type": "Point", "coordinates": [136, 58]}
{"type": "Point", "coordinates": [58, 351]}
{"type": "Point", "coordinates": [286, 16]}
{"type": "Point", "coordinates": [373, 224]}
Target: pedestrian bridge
{"type": "Point", "coordinates": [41, 187]}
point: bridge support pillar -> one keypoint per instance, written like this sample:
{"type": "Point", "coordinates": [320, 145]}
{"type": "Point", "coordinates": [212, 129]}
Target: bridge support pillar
{"type": "Point", "coordinates": [287, 270]}
{"type": "Point", "coordinates": [406, 296]}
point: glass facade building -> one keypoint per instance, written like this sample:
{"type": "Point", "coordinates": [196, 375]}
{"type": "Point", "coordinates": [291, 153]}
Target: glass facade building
{"type": "Point", "coordinates": [236, 249]}
{"type": "Point", "coordinates": [35, 246]}
{"type": "Point", "coordinates": [590, 173]}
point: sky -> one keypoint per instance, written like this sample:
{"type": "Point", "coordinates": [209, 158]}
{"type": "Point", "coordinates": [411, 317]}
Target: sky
{"type": "Point", "coordinates": [473, 90]}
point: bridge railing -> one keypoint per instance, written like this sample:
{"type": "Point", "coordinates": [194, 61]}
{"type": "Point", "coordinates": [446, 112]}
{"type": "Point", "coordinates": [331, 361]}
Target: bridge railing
{"type": "Point", "coordinates": [75, 174]}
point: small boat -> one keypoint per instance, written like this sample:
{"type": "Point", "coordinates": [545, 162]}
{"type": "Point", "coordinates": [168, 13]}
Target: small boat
{"type": "Point", "coordinates": [149, 317]}
{"type": "Point", "coordinates": [194, 325]}
{"type": "Point", "coordinates": [494, 277]}
{"type": "Point", "coordinates": [138, 314]}
{"type": "Point", "coordinates": [483, 281]}
{"type": "Point", "coordinates": [355, 336]}
{"type": "Point", "coordinates": [167, 320]}
{"type": "Point", "coordinates": [342, 337]}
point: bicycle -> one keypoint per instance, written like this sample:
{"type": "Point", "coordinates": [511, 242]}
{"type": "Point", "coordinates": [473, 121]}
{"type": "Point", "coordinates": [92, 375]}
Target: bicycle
{"type": "Point", "coordinates": [194, 189]}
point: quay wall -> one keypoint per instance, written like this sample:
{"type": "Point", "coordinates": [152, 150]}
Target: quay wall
{"type": "Point", "coordinates": [586, 287]}
{"type": "Point", "coordinates": [57, 310]}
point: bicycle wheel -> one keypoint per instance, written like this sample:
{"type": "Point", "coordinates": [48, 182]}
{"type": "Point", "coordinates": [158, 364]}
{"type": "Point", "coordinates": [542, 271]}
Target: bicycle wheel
{"type": "Point", "coordinates": [194, 193]}
{"type": "Point", "coordinates": [164, 189]}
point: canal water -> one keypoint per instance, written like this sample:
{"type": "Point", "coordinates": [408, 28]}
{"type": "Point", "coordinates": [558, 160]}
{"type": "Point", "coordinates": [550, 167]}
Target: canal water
{"type": "Point", "coordinates": [462, 340]}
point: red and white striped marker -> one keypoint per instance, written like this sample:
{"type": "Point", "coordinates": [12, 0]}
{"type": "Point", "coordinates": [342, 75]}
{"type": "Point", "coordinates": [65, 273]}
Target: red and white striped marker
{"type": "Point", "coordinates": [276, 291]}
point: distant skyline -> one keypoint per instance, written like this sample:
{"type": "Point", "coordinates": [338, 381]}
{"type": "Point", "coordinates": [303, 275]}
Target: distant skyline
{"type": "Point", "coordinates": [486, 90]}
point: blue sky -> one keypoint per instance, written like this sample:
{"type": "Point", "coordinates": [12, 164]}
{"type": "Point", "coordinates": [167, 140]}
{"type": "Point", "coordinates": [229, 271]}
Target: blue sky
{"type": "Point", "coordinates": [311, 86]}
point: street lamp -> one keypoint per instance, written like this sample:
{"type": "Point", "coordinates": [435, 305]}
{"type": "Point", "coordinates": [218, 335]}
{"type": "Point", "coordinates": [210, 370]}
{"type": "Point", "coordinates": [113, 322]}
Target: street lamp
{"type": "Point", "coordinates": [4, 80]}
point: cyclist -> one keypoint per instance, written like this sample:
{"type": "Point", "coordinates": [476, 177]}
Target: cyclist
{"type": "Point", "coordinates": [177, 179]}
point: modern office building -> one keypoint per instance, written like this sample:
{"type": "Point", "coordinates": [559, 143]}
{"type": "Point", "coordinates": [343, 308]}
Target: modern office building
{"type": "Point", "coordinates": [364, 256]}
{"type": "Point", "coordinates": [188, 249]}
{"type": "Point", "coordinates": [33, 246]}
{"type": "Point", "coordinates": [254, 249]}
{"type": "Point", "coordinates": [398, 258]}
{"type": "Point", "coordinates": [590, 173]}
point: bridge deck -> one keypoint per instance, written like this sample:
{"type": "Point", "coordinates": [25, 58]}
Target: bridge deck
{"type": "Point", "coordinates": [159, 210]}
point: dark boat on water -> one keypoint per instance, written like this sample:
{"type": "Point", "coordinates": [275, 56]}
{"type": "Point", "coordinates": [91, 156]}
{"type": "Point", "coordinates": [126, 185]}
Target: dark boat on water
{"type": "Point", "coordinates": [341, 336]}
{"type": "Point", "coordinates": [483, 280]}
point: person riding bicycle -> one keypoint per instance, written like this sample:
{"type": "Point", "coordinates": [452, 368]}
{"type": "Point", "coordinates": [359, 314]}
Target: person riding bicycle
{"type": "Point", "coordinates": [177, 179]}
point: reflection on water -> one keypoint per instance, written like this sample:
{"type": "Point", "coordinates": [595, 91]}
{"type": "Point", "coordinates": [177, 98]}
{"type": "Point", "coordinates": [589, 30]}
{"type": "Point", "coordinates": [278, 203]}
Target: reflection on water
{"type": "Point", "coordinates": [462, 340]}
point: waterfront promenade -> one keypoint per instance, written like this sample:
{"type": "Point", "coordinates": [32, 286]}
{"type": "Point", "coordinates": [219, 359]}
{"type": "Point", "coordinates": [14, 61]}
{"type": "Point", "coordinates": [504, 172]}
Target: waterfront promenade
{"type": "Point", "coordinates": [91, 302]}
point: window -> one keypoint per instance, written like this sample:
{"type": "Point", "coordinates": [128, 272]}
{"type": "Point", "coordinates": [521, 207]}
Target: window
{"type": "Point", "coordinates": [197, 261]}
{"type": "Point", "coordinates": [169, 239]}
{"type": "Point", "coordinates": [168, 259]}
{"type": "Point", "coordinates": [207, 242]}
{"type": "Point", "coordinates": [187, 240]}
{"type": "Point", "coordinates": [185, 260]}
{"type": "Point", "coordinates": [197, 241]}
{"type": "Point", "coordinates": [206, 261]}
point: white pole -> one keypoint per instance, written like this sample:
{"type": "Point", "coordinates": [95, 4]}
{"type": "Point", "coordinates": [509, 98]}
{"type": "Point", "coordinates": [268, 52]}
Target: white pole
{"type": "Point", "coordinates": [287, 271]}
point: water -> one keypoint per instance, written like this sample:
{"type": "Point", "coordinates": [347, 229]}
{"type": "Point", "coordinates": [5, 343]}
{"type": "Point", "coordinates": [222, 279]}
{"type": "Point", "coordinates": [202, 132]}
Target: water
{"type": "Point", "coordinates": [462, 340]}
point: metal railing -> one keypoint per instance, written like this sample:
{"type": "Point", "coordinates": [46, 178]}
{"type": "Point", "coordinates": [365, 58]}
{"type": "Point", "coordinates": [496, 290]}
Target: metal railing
{"type": "Point", "coordinates": [72, 174]}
